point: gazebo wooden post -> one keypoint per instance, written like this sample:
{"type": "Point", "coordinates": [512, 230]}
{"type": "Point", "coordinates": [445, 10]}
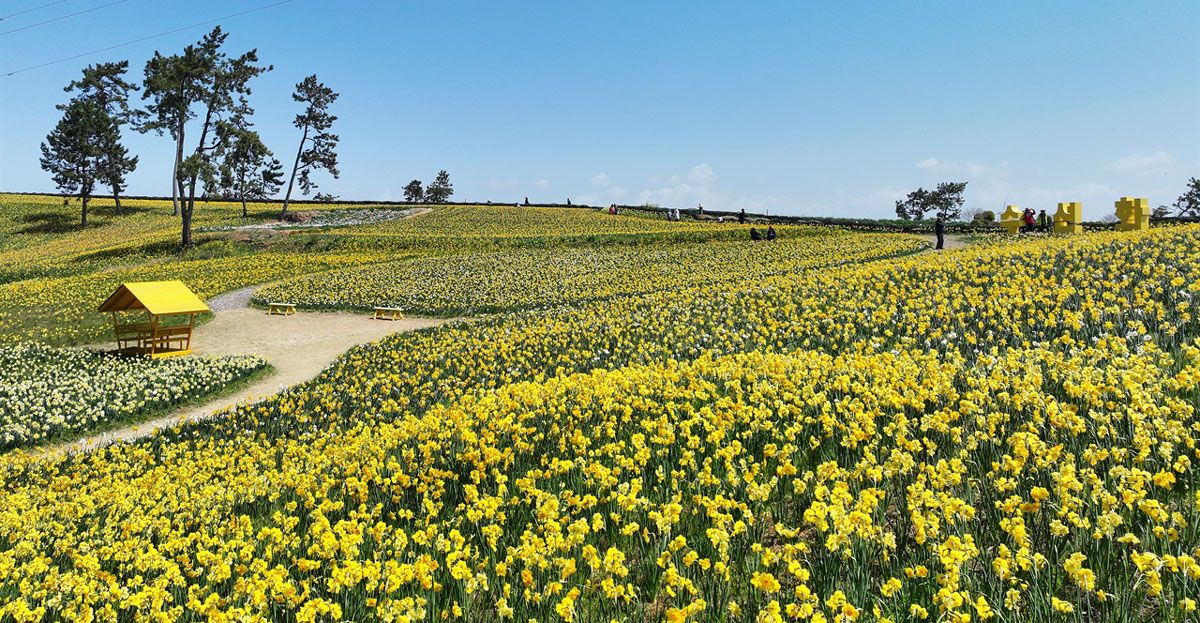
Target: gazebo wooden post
{"type": "Point", "coordinates": [153, 334]}
{"type": "Point", "coordinates": [191, 327]}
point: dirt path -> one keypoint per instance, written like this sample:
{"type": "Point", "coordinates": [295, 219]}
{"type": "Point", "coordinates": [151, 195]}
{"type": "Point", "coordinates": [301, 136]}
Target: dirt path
{"type": "Point", "coordinates": [952, 241]}
{"type": "Point", "coordinates": [298, 346]}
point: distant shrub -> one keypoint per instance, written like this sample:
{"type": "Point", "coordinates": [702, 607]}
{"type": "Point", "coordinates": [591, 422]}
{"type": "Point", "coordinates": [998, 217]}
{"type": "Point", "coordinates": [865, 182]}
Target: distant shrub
{"type": "Point", "coordinates": [984, 217]}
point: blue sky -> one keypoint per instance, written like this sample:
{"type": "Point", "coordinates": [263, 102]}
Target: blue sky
{"type": "Point", "coordinates": [788, 107]}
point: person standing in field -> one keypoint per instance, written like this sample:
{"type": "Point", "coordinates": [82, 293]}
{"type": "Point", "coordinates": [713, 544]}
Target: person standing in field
{"type": "Point", "coordinates": [771, 233]}
{"type": "Point", "coordinates": [742, 217]}
{"type": "Point", "coordinates": [939, 230]}
{"type": "Point", "coordinates": [1043, 221]}
{"type": "Point", "coordinates": [1028, 220]}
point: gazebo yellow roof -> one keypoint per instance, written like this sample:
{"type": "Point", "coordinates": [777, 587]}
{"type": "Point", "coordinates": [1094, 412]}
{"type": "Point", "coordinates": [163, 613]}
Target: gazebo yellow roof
{"type": "Point", "coordinates": [157, 297]}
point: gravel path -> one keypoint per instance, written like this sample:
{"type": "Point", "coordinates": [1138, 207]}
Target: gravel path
{"type": "Point", "coordinates": [952, 241]}
{"type": "Point", "coordinates": [236, 299]}
{"type": "Point", "coordinates": [298, 346]}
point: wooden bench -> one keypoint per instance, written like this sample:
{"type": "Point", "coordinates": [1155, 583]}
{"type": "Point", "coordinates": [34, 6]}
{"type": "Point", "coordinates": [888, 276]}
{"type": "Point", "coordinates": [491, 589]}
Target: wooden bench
{"type": "Point", "coordinates": [281, 309]}
{"type": "Point", "coordinates": [171, 341]}
{"type": "Point", "coordinates": [387, 313]}
{"type": "Point", "coordinates": [133, 335]}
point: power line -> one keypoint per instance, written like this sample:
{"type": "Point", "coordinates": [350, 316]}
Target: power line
{"type": "Point", "coordinates": [146, 38]}
{"type": "Point", "coordinates": [30, 10]}
{"type": "Point", "coordinates": [59, 19]}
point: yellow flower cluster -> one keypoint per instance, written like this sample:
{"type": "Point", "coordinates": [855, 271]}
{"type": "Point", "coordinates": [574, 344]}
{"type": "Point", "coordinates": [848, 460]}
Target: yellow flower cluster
{"type": "Point", "coordinates": [518, 279]}
{"type": "Point", "coordinates": [1006, 433]}
{"type": "Point", "coordinates": [450, 222]}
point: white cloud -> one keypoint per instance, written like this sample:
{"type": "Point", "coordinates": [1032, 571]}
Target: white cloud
{"type": "Point", "coordinates": [1143, 164]}
{"type": "Point", "coordinates": [696, 188]}
{"type": "Point", "coordinates": [542, 183]}
{"type": "Point", "coordinates": [1097, 198]}
{"type": "Point", "coordinates": [589, 200]}
{"type": "Point", "coordinates": [884, 198]}
{"type": "Point", "coordinates": [606, 192]}
{"type": "Point", "coordinates": [702, 174]}
{"type": "Point", "coordinates": [956, 167]}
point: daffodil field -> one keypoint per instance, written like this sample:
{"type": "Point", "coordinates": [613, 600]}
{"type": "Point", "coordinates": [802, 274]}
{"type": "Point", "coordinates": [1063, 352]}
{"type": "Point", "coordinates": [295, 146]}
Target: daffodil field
{"type": "Point", "coordinates": [525, 278]}
{"type": "Point", "coordinates": [48, 393]}
{"type": "Point", "coordinates": [830, 429]}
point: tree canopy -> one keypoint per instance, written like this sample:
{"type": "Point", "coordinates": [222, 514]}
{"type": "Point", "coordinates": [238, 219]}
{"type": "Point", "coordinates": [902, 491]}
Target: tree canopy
{"type": "Point", "coordinates": [945, 201]}
{"type": "Point", "coordinates": [414, 191]}
{"type": "Point", "coordinates": [104, 85]}
{"type": "Point", "coordinates": [440, 189]}
{"type": "Point", "coordinates": [246, 168]}
{"type": "Point", "coordinates": [73, 153]}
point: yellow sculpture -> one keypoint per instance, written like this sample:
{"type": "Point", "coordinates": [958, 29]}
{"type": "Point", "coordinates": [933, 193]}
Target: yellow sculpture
{"type": "Point", "coordinates": [1133, 214]}
{"type": "Point", "coordinates": [1069, 218]}
{"type": "Point", "coordinates": [1010, 219]}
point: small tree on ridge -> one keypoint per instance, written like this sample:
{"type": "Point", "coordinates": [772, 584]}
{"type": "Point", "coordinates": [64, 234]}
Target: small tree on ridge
{"type": "Point", "coordinates": [413, 191]}
{"type": "Point", "coordinates": [946, 201]}
{"type": "Point", "coordinates": [440, 189]}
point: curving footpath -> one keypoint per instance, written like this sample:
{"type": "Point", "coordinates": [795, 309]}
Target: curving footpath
{"type": "Point", "coordinates": [951, 242]}
{"type": "Point", "coordinates": [299, 347]}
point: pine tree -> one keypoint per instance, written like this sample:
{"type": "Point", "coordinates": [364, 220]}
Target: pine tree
{"type": "Point", "coordinates": [73, 152]}
{"type": "Point", "coordinates": [413, 191]}
{"type": "Point", "coordinates": [204, 76]}
{"type": "Point", "coordinates": [440, 189]}
{"type": "Point", "coordinates": [105, 85]}
{"type": "Point", "coordinates": [245, 169]}
{"type": "Point", "coordinates": [317, 144]}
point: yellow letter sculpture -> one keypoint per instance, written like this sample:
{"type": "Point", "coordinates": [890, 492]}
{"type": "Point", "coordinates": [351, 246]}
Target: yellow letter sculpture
{"type": "Point", "coordinates": [1069, 218]}
{"type": "Point", "coordinates": [1011, 219]}
{"type": "Point", "coordinates": [1134, 214]}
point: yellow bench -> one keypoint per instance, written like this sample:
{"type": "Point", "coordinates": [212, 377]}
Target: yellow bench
{"type": "Point", "coordinates": [281, 309]}
{"type": "Point", "coordinates": [388, 313]}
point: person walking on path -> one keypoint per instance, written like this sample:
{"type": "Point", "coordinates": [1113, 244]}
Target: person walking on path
{"type": "Point", "coordinates": [939, 229]}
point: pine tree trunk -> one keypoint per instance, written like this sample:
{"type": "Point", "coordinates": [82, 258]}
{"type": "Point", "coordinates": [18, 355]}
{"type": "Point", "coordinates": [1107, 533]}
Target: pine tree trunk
{"type": "Point", "coordinates": [175, 186]}
{"type": "Point", "coordinates": [295, 165]}
{"type": "Point", "coordinates": [189, 204]}
{"type": "Point", "coordinates": [186, 220]}
{"type": "Point", "coordinates": [83, 211]}
{"type": "Point", "coordinates": [116, 190]}
{"type": "Point", "coordinates": [242, 192]}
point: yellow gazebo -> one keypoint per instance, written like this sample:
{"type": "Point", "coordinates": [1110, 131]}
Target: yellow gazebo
{"type": "Point", "coordinates": [159, 299]}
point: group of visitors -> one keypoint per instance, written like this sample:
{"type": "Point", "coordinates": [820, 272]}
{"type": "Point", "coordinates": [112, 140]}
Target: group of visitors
{"type": "Point", "coordinates": [1042, 222]}
{"type": "Point", "coordinates": [756, 235]}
